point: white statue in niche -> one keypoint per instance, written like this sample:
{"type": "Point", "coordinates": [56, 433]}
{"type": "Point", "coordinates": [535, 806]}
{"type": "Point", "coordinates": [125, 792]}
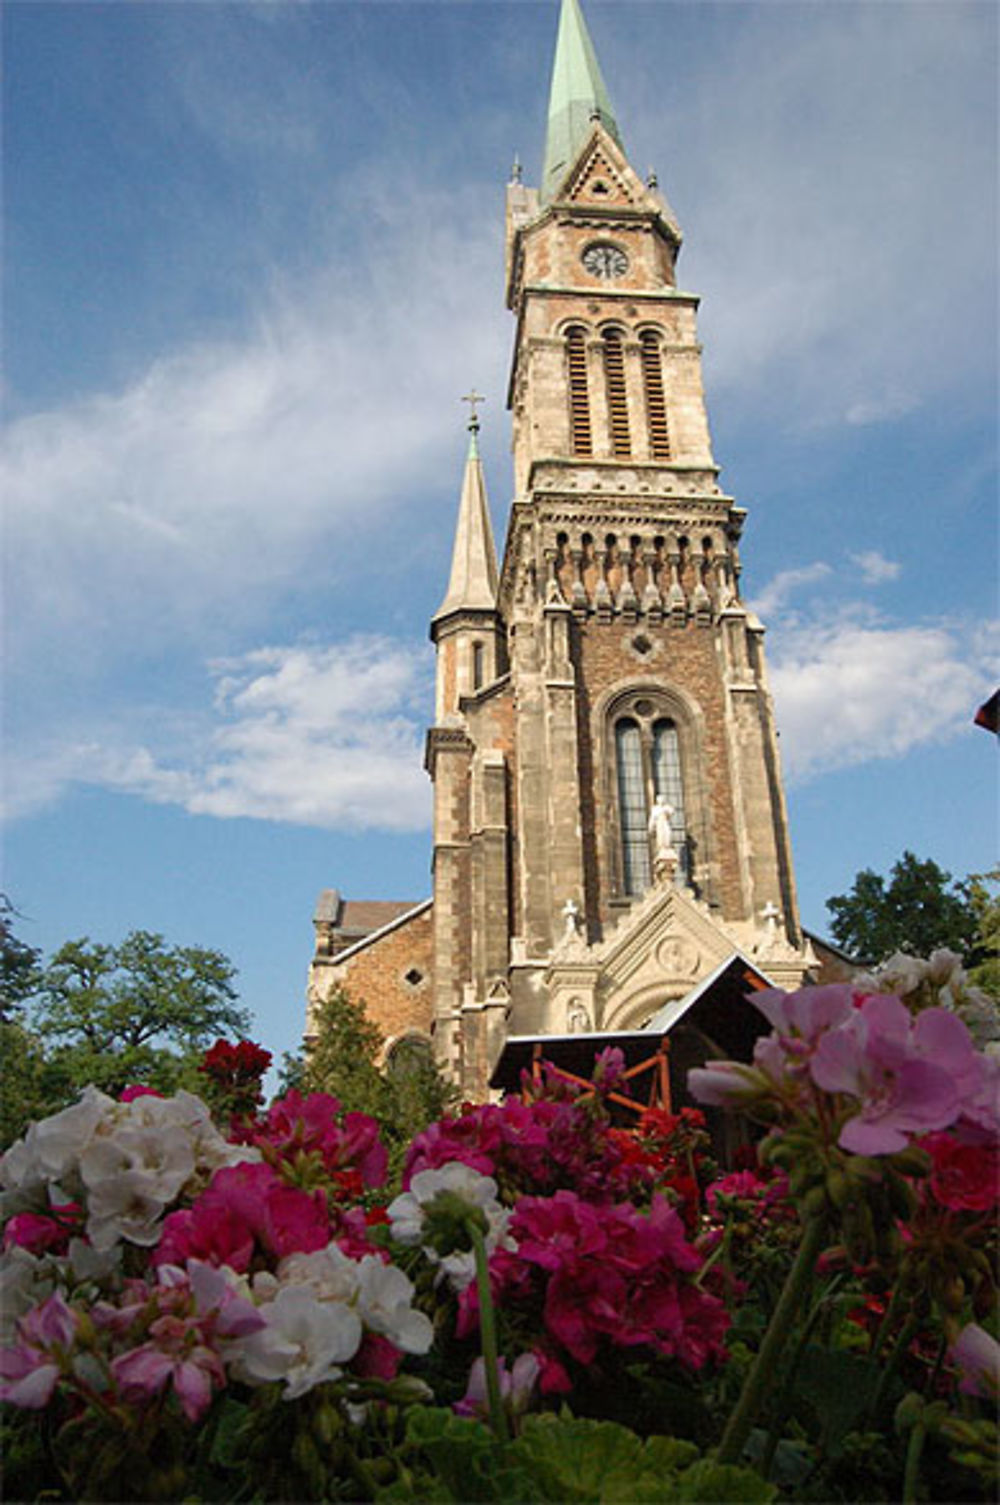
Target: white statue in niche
{"type": "Point", "coordinates": [577, 1018]}
{"type": "Point", "coordinates": [661, 835]}
{"type": "Point", "coordinates": [571, 917]}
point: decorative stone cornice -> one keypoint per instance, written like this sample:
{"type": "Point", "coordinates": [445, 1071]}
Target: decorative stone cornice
{"type": "Point", "coordinates": [445, 739]}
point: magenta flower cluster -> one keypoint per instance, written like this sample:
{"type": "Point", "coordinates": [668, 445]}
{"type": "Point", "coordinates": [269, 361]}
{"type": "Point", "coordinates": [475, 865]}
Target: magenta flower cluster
{"type": "Point", "coordinates": [602, 1276]}
{"type": "Point", "coordinates": [536, 1148]}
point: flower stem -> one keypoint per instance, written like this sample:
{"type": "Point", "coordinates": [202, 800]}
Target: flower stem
{"type": "Point", "coordinates": [488, 1334]}
{"type": "Point", "coordinates": [762, 1372]}
{"type": "Point", "coordinates": [914, 1452]}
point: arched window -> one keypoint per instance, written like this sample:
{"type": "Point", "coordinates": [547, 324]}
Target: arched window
{"type": "Point", "coordinates": [579, 400]}
{"type": "Point", "coordinates": [478, 662]}
{"type": "Point", "coordinates": [633, 806]}
{"type": "Point", "coordinates": [647, 762]}
{"type": "Point", "coordinates": [656, 402]}
{"type": "Point", "coordinates": [614, 374]}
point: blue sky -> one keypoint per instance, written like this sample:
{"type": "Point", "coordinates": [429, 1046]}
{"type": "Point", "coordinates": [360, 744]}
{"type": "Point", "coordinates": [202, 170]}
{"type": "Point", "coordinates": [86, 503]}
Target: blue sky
{"type": "Point", "coordinates": [253, 258]}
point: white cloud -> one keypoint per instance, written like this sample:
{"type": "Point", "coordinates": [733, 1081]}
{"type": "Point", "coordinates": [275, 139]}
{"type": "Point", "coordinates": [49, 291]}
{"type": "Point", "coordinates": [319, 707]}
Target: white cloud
{"type": "Point", "coordinates": [875, 568]}
{"type": "Point", "coordinates": [779, 590]}
{"type": "Point", "coordinates": [850, 691]}
{"type": "Point", "coordinates": [328, 736]}
{"type": "Point", "coordinates": [838, 190]}
{"type": "Point", "coordinates": [247, 466]}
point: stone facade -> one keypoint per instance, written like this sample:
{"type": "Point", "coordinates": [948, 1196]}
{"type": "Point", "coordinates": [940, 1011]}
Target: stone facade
{"type": "Point", "coordinates": [610, 661]}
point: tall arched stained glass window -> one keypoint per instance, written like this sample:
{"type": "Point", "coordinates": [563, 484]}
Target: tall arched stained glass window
{"type": "Point", "coordinates": [633, 807]}
{"type": "Point", "coordinates": [667, 780]}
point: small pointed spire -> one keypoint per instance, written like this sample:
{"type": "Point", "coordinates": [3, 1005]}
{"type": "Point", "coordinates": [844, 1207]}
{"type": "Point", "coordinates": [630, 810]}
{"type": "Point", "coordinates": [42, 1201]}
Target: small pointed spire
{"type": "Point", "coordinates": [516, 171]}
{"type": "Point", "coordinates": [577, 98]}
{"type": "Point", "coordinates": [473, 582]}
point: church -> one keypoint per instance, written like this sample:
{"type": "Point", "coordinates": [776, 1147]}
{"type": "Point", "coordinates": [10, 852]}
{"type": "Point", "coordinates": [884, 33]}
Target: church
{"type": "Point", "coordinates": [609, 828]}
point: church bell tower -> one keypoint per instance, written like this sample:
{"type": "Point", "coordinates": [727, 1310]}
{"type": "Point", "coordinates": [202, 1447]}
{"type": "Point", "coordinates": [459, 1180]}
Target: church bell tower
{"type": "Point", "coordinates": [610, 832]}
{"type": "Point", "coordinates": [609, 817]}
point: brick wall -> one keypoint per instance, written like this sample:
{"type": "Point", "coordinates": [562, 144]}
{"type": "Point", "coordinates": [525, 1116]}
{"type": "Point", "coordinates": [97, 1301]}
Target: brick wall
{"type": "Point", "coordinates": [376, 976]}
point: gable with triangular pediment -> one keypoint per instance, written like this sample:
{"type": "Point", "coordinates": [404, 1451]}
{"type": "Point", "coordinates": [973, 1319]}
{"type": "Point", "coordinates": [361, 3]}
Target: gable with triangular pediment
{"type": "Point", "coordinates": [668, 947]}
{"type": "Point", "coordinates": [601, 175]}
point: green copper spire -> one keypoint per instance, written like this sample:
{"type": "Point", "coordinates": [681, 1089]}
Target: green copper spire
{"type": "Point", "coordinates": [577, 96]}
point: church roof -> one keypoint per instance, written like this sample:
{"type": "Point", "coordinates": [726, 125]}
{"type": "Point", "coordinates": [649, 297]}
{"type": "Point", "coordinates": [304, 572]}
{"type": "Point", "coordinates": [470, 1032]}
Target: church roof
{"type": "Point", "coordinates": [473, 582]}
{"type": "Point", "coordinates": [578, 96]}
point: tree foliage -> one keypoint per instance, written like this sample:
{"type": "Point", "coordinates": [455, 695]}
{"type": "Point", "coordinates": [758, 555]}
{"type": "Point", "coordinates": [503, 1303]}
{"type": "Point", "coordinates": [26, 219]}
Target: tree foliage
{"type": "Point", "coordinates": [919, 910]}
{"type": "Point", "coordinates": [19, 964]}
{"type": "Point", "coordinates": [983, 893]}
{"type": "Point", "coordinates": [405, 1094]}
{"type": "Point", "coordinates": [141, 1011]}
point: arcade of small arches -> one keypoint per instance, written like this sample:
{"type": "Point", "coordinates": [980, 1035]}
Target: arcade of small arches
{"type": "Point", "coordinates": [665, 575]}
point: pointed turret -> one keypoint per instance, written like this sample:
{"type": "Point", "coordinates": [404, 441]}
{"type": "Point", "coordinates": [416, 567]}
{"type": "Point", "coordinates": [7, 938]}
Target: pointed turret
{"type": "Point", "coordinates": [473, 582]}
{"type": "Point", "coordinates": [466, 626]}
{"type": "Point", "coordinates": [578, 97]}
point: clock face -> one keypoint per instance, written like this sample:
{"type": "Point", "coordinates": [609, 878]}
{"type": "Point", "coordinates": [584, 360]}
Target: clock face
{"type": "Point", "coordinates": [604, 260]}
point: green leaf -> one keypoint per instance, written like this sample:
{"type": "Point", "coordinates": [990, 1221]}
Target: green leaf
{"type": "Point", "coordinates": [724, 1483]}
{"type": "Point", "coordinates": [229, 1440]}
{"type": "Point", "coordinates": [839, 1386]}
{"type": "Point", "coordinates": [573, 1458]}
{"type": "Point", "coordinates": [465, 1456]}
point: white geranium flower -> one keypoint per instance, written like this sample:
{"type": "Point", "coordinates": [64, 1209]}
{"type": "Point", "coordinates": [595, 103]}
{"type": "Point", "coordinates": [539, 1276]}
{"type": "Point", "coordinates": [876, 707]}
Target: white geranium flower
{"type": "Point", "coordinates": [162, 1156]}
{"type": "Point", "coordinates": [304, 1343]}
{"type": "Point", "coordinates": [89, 1264]}
{"type": "Point", "coordinates": [408, 1215]}
{"type": "Point", "coordinates": [329, 1273]}
{"type": "Point", "coordinates": [22, 1286]}
{"type": "Point", "coordinates": [126, 1206]}
{"type": "Point", "coordinates": [385, 1301]}
{"type": "Point", "coordinates": [51, 1148]}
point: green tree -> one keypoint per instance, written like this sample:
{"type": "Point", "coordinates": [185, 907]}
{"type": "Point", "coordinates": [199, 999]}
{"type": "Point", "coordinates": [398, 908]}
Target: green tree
{"type": "Point", "coordinates": [141, 1011]}
{"type": "Point", "coordinates": [983, 895]}
{"type": "Point", "coordinates": [29, 1084]}
{"type": "Point", "coordinates": [919, 910]}
{"type": "Point", "coordinates": [19, 964]}
{"type": "Point", "coordinates": [405, 1094]}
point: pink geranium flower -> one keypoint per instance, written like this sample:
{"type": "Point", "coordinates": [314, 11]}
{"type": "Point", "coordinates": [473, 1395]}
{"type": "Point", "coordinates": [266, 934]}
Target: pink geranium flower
{"type": "Point", "coordinates": [244, 1208]}
{"type": "Point", "coordinates": [879, 1057]}
{"type": "Point", "coordinates": [978, 1358]}
{"type": "Point", "coordinates": [192, 1368]}
{"type": "Point", "coordinates": [30, 1369]}
{"type": "Point", "coordinates": [807, 1014]}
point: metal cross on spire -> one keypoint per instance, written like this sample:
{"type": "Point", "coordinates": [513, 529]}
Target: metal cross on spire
{"type": "Point", "coordinates": [472, 398]}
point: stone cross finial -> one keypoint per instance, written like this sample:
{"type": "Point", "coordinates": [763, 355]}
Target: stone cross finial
{"type": "Point", "coordinates": [771, 914]}
{"type": "Point", "coordinates": [472, 398]}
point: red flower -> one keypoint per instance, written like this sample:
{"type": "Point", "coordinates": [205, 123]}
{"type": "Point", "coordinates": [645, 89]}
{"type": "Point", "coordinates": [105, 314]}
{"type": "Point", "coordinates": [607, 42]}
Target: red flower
{"type": "Point", "coordinates": [964, 1177]}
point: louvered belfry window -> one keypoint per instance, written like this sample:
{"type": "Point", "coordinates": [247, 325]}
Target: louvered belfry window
{"type": "Point", "coordinates": [614, 370]}
{"type": "Point", "coordinates": [579, 401]}
{"type": "Point", "coordinates": [656, 403]}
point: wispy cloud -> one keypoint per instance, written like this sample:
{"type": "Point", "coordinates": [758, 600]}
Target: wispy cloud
{"type": "Point", "coordinates": [847, 691]}
{"type": "Point", "coordinates": [227, 468]}
{"type": "Point", "coordinates": [874, 568]}
{"type": "Point", "coordinates": [784, 585]}
{"type": "Point", "coordinates": [806, 204]}
{"type": "Point", "coordinates": [327, 736]}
